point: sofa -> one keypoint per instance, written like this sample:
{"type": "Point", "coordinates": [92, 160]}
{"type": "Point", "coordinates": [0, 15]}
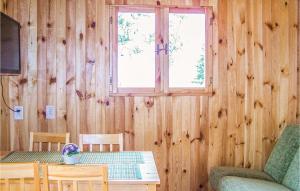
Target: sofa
{"type": "Point", "coordinates": [281, 172]}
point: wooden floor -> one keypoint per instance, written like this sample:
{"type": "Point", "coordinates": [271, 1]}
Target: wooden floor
{"type": "Point", "coordinates": [255, 77]}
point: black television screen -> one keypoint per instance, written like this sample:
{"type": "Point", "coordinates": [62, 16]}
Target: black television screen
{"type": "Point", "coordinates": [10, 46]}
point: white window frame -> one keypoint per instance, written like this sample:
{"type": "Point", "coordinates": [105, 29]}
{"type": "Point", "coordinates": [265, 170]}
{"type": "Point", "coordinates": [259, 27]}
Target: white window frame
{"type": "Point", "coordinates": [161, 59]}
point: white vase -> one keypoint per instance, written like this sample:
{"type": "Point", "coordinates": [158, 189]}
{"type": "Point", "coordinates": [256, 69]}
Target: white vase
{"type": "Point", "coordinates": [74, 159]}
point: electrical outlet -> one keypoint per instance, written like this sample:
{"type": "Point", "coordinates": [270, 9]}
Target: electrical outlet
{"type": "Point", "coordinates": [50, 112]}
{"type": "Point", "coordinates": [18, 114]}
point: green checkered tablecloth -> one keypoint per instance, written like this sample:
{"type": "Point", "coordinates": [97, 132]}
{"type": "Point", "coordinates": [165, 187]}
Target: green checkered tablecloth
{"type": "Point", "coordinates": [121, 165]}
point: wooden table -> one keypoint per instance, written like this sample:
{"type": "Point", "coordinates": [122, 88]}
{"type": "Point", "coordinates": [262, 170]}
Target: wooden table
{"type": "Point", "coordinates": [146, 182]}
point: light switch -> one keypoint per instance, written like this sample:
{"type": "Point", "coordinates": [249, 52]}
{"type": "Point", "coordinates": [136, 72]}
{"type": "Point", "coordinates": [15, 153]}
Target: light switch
{"type": "Point", "coordinates": [18, 114]}
{"type": "Point", "coordinates": [50, 112]}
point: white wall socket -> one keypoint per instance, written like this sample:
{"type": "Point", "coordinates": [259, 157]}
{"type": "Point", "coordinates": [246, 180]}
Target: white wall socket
{"type": "Point", "coordinates": [50, 112]}
{"type": "Point", "coordinates": [18, 114]}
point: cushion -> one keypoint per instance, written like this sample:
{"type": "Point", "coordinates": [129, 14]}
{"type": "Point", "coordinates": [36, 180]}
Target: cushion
{"type": "Point", "coordinates": [292, 177]}
{"type": "Point", "coordinates": [232, 183]}
{"type": "Point", "coordinates": [219, 172]}
{"type": "Point", "coordinates": [283, 153]}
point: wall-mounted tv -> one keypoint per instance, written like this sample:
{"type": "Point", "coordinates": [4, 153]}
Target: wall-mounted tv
{"type": "Point", "coordinates": [10, 46]}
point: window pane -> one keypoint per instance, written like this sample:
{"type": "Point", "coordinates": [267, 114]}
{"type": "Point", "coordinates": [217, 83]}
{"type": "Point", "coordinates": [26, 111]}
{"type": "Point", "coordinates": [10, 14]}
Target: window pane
{"type": "Point", "coordinates": [136, 49]}
{"type": "Point", "coordinates": [187, 50]}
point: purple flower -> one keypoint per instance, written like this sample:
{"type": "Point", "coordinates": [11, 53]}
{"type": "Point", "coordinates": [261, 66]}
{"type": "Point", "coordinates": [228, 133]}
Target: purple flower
{"type": "Point", "coordinates": [70, 149]}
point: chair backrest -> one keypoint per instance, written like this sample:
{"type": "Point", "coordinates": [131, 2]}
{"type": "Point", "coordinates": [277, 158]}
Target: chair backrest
{"type": "Point", "coordinates": [101, 139]}
{"type": "Point", "coordinates": [20, 172]}
{"type": "Point", "coordinates": [75, 173]}
{"type": "Point", "coordinates": [283, 153]}
{"type": "Point", "coordinates": [49, 138]}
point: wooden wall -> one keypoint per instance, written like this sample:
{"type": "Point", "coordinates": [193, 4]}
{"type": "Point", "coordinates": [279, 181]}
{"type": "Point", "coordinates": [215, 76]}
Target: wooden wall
{"type": "Point", "coordinates": [256, 81]}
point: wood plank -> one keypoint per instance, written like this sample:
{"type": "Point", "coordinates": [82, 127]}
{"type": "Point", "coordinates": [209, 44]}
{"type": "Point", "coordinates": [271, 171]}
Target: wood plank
{"type": "Point", "coordinates": [61, 65]}
{"type": "Point", "coordinates": [41, 62]}
{"type": "Point", "coordinates": [267, 122]}
{"type": "Point", "coordinates": [90, 66]}
{"type": "Point", "coordinates": [71, 70]}
{"type": "Point", "coordinates": [32, 68]}
{"type": "Point", "coordinates": [51, 75]}
{"type": "Point", "coordinates": [80, 66]}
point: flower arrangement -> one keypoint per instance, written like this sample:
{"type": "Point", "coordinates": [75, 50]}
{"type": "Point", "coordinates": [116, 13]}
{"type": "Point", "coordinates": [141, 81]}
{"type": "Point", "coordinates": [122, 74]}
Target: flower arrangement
{"type": "Point", "coordinates": [70, 153]}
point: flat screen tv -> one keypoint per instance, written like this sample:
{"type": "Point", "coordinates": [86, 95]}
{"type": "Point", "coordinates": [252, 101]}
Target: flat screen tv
{"type": "Point", "coordinates": [10, 46]}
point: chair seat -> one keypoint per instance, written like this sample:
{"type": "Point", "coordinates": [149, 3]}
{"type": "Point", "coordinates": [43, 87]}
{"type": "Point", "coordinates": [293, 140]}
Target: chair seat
{"type": "Point", "coordinates": [219, 172]}
{"type": "Point", "coordinates": [232, 183]}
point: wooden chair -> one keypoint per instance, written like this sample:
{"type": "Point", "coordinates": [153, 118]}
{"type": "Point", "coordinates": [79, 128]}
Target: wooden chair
{"type": "Point", "coordinates": [18, 172]}
{"type": "Point", "coordinates": [75, 173]}
{"type": "Point", "coordinates": [101, 139]}
{"type": "Point", "coordinates": [58, 138]}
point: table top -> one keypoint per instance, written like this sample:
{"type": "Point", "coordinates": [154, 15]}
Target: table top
{"type": "Point", "coordinates": [124, 167]}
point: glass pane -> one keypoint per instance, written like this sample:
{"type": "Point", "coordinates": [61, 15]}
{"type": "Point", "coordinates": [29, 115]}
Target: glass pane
{"type": "Point", "coordinates": [187, 50]}
{"type": "Point", "coordinates": [136, 50]}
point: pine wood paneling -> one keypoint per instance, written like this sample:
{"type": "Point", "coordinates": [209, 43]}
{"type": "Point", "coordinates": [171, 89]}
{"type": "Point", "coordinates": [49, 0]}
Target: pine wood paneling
{"type": "Point", "coordinates": [65, 63]}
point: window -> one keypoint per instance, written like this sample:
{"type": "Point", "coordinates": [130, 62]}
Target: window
{"type": "Point", "coordinates": [160, 50]}
{"type": "Point", "coordinates": [136, 33]}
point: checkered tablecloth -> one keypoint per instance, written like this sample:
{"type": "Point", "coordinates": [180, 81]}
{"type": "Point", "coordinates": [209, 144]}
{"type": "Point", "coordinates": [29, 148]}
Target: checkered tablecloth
{"type": "Point", "coordinates": [121, 165]}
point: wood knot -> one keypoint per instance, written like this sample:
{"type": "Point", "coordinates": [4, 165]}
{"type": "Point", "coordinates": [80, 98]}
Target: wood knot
{"type": "Point", "coordinates": [250, 77]}
{"type": "Point", "coordinates": [43, 39]}
{"type": "Point", "coordinates": [64, 42]}
{"type": "Point", "coordinates": [89, 95]}
{"type": "Point", "coordinates": [295, 26]}
{"type": "Point", "coordinates": [28, 23]}
{"type": "Point", "coordinates": [222, 112]}
{"type": "Point", "coordinates": [248, 165]}
{"type": "Point", "coordinates": [149, 102]}
{"type": "Point", "coordinates": [240, 95]}
{"type": "Point", "coordinates": [258, 103]}
{"type": "Point", "coordinates": [187, 135]}
{"type": "Point", "coordinates": [284, 71]}
{"type": "Point", "coordinates": [241, 52]}
{"type": "Point", "coordinates": [269, 25]}
{"type": "Point", "coordinates": [81, 36]}
{"type": "Point", "coordinates": [166, 171]}
{"type": "Point", "coordinates": [23, 81]}
{"type": "Point", "coordinates": [282, 124]}
{"type": "Point", "coordinates": [49, 25]}
{"type": "Point", "coordinates": [220, 41]}
{"type": "Point", "coordinates": [80, 95]}
{"type": "Point", "coordinates": [70, 80]}
{"type": "Point", "coordinates": [230, 64]}
{"type": "Point", "coordinates": [158, 3]}
{"type": "Point", "coordinates": [93, 25]}
{"type": "Point", "coordinates": [52, 80]}
{"type": "Point", "coordinates": [248, 120]}
{"type": "Point", "coordinates": [91, 62]}
{"type": "Point", "coordinates": [184, 170]}
{"type": "Point", "coordinates": [259, 45]}
{"type": "Point", "coordinates": [65, 117]}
